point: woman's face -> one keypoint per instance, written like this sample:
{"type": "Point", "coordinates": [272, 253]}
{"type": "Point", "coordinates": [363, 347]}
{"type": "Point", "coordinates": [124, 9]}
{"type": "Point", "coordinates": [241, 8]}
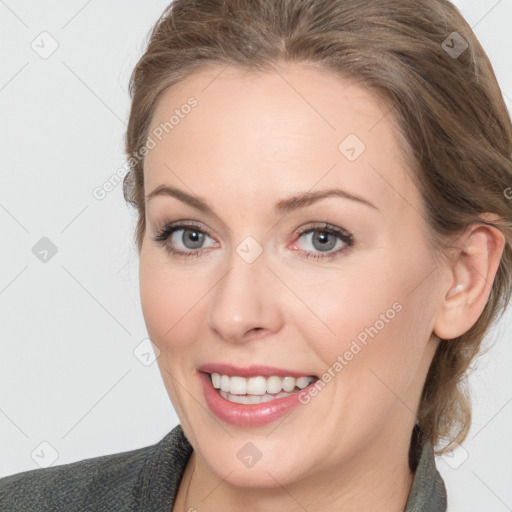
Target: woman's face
{"type": "Point", "coordinates": [263, 282]}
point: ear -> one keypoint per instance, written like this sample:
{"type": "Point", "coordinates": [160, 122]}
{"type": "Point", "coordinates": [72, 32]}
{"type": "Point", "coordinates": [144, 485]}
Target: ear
{"type": "Point", "coordinates": [471, 278]}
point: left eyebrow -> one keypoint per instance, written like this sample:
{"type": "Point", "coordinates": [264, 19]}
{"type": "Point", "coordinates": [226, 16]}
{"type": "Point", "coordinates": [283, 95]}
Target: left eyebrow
{"type": "Point", "coordinates": [301, 200]}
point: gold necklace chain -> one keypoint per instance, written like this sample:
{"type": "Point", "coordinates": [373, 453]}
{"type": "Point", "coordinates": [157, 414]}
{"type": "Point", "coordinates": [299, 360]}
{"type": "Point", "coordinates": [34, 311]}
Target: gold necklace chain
{"type": "Point", "coordinates": [188, 488]}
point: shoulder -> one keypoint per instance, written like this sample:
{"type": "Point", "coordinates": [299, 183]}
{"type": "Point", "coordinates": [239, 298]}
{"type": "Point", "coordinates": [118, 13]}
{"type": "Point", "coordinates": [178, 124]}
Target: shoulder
{"type": "Point", "coordinates": [74, 486]}
{"type": "Point", "coordinates": [105, 483]}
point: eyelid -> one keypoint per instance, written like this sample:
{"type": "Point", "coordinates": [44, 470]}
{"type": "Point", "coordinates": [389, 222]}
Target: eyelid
{"type": "Point", "coordinates": [329, 228]}
{"type": "Point", "coordinates": [324, 227]}
{"type": "Point", "coordinates": [166, 228]}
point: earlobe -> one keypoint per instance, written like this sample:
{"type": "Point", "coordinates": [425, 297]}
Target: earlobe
{"type": "Point", "coordinates": [471, 278]}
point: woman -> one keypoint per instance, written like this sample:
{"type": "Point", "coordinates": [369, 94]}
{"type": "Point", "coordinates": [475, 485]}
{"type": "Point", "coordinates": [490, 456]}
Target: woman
{"type": "Point", "coordinates": [325, 238]}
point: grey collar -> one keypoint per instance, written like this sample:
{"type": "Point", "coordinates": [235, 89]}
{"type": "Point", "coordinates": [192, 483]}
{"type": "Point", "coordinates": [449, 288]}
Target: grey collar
{"type": "Point", "coordinates": [428, 492]}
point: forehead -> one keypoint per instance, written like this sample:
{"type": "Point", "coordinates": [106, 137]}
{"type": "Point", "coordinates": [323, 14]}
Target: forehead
{"type": "Point", "coordinates": [287, 128]}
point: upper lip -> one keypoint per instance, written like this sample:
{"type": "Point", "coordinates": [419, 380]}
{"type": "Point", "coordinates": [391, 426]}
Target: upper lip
{"type": "Point", "coordinates": [251, 371]}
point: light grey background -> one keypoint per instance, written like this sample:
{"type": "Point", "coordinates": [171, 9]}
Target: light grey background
{"type": "Point", "coordinates": [69, 327]}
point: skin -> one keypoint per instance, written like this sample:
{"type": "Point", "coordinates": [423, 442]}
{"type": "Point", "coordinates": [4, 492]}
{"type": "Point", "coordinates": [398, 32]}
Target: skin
{"type": "Point", "coordinates": [252, 140]}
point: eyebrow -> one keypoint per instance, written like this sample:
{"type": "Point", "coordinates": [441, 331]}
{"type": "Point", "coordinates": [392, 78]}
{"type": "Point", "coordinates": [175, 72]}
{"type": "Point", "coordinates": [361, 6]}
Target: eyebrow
{"type": "Point", "coordinates": [282, 207]}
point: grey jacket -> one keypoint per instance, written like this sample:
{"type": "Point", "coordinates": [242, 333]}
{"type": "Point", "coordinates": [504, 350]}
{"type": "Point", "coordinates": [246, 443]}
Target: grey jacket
{"type": "Point", "coordinates": [147, 480]}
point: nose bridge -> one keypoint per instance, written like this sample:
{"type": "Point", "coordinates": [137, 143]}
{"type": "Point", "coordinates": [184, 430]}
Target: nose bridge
{"type": "Point", "coordinates": [244, 298]}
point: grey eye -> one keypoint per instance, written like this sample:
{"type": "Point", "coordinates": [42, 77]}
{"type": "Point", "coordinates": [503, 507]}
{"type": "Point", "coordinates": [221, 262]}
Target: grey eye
{"type": "Point", "coordinates": [192, 238]}
{"type": "Point", "coordinates": [322, 242]}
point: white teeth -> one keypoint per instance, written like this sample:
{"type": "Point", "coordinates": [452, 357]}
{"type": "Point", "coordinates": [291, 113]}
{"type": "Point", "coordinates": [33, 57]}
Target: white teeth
{"type": "Point", "coordinates": [251, 399]}
{"type": "Point", "coordinates": [215, 380]}
{"type": "Point", "coordinates": [302, 382]}
{"type": "Point", "coordinates": [288, 384]}
{"type": "Point", "coordinates": [274, 384]}
{"type": "Point", "coordinates": [255, 386]}
{"type": "Point", "coordinates": [225, 382]}
{"type": "Point", "coordinates": [238, 386]}
{"type": "Point", "coordinates": [258, 386]}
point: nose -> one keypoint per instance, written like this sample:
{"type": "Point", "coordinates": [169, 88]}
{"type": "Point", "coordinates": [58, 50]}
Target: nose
{"type": "Point", "coordinates": [245, 301]}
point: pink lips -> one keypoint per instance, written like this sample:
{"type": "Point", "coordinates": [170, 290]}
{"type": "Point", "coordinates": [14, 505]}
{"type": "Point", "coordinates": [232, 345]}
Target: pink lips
{"type": "Point", "coordinates": [247, 415]}
{"type": "Point", "coordinates": [250, 371]}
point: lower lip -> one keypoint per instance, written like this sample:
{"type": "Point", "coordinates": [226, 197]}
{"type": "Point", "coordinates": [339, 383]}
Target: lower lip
{"type": "Point", "coordinates": [247, 415]}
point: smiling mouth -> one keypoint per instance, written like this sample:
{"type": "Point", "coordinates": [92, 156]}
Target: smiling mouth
{"type": "Point", "coordinates": [259, 389]}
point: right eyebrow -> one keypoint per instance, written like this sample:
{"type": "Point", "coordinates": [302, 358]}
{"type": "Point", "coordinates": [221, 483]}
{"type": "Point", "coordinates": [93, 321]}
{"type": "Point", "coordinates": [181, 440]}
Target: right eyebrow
{"type": "Point", "coordinates": [196, 202]}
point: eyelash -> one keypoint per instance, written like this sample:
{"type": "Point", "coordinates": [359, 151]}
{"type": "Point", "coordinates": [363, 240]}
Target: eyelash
{"type": "Point", "coordinates": [163, 235]}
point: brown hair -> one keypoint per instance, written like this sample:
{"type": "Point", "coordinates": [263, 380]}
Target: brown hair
{"type": "Point", "coordinates": [449, 107]}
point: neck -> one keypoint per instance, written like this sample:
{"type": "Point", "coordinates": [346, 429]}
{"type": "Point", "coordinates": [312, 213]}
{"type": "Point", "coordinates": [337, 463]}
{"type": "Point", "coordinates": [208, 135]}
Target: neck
{"type": "Point", "coordinates": [378, 480]}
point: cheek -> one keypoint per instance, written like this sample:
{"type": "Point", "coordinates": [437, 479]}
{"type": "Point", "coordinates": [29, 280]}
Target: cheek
{"type": "Point", "coordinates": [377, 322]}
{"type": "Point", "coordinates": [170, 308]}
{"type": "Point", "coordinates": [170, 304]}
{"type": "Point", "coordinates": [346, 305]}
